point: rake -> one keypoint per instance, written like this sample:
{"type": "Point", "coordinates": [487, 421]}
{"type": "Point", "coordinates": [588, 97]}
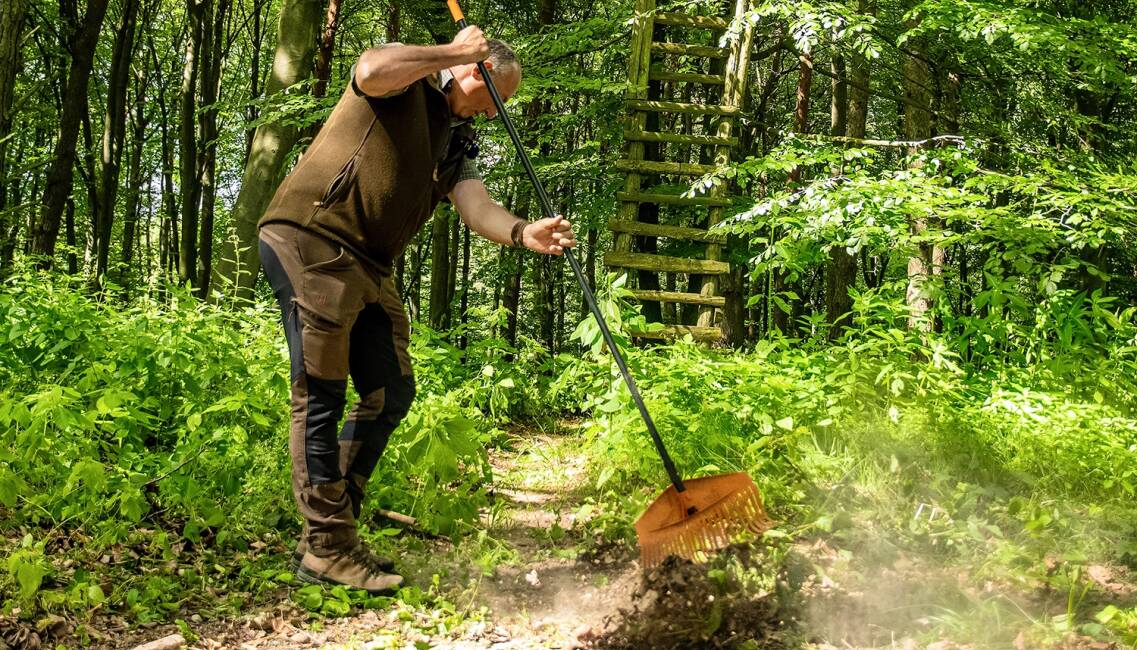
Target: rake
{"type": "Point", "coordinates": [691, 518]}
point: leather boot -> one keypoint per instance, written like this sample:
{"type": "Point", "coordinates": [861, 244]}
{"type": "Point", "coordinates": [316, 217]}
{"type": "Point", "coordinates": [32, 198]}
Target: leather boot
{"type": "Point", "coordinates": [384, 563]}
{"type": "Point", "coordinates": [356, 568]}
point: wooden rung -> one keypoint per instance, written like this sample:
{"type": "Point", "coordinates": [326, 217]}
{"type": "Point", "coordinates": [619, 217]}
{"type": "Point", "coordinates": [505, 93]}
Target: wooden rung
{"type": "Point", "coordinates": [686, 77]}
{"type": "Point", "coordinates": [654, 167]}
{"type": "Point", "coordinates": [705, 51]}
{"type": "Point", "coordinates": [687, 20]}
{"type": "Point", "coordinates": [671, 232]}
{"type": "Point", "coordinates": [680, 107]}
{"type": "Point", "coordinates": [680, 138]}
{"type": "Point", "coordinates": [672, 199]}
{"type": "Point", "coordinates": [649, 262]}
{"type": "Point", "coordinates": [679, 331]}
{"type": "Point", "coordinates": [677, 296]}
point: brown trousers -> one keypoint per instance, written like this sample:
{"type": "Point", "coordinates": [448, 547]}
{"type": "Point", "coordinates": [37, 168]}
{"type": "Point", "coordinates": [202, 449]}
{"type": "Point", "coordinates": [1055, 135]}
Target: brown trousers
{"type": "Point", "coordinates": [340, 322]}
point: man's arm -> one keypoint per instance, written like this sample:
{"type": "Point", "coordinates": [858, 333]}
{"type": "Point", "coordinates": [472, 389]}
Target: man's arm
{"type": "Point", "coordinates": [487, 218]}
{"type": "Point", "coordinates": [383, 70]}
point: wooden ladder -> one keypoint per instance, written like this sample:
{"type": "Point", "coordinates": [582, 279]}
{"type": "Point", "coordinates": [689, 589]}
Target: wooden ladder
{"type": "Point", "coordinates": [685, 129]}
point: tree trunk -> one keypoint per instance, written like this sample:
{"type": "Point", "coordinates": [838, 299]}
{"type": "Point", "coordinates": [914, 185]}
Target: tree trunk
{"type": "Point", "coordinates": [69, 238]}
{"type": "Point", "coordinates": [256, 37]}
{"type": "Point", "coordinates": [918, 127]}
{"type": "Point", "coordinates": [134, 173]}
{"type": "Point", "coordinates": [114, 133]}
{"type": "Point", "coordinates": [465, 306]}
{"type": "Point", "coordinates": [189, 171]}
{"type": "Point", "coordinates": [515, 269]}
{"type": "Point", "coordinates": [414, 285]}
{"type": "Point", "coordinates": [167, 245]}
{"type": "Point", "coordinates": [783, 319]}
{"type": "Point", "coordinates": [327, 43]}
{"type": "Point", "coordinates": [89, 174]}
{"type": "Point", "coordinates": [213, 43]}
{"type": "Point", "coordinates": [841, 272]}
{"type": "Point", "coordinates": [440, 268]}
{"type": "Point", "coordinates": [58, 185]}
{"type": "Point", "coordinates": [589, 267]}
{"type": "Point", "coordinates": [546, 302]}
{"type": "Point", "coordinates": [11, 32]}
{"type": "Point", "coordinates": [455, 241]}
{"type": "Point", "coordinates": [295, 47]}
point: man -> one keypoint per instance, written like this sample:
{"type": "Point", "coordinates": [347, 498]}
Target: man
{"type": "Point", "coordinates": [398, 141]}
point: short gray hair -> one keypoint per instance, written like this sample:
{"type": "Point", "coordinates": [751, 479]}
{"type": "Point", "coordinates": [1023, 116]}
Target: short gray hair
{"type": "Point", "coordinates": [502, 57]}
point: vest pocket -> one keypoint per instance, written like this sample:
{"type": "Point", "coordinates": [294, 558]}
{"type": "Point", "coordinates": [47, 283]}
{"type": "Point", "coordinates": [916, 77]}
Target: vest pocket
{"type": "Point", "coordinates": [339, 186]}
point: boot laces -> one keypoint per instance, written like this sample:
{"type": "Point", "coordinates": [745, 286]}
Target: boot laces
{"type": "Point", "coordinates": [362, 555]}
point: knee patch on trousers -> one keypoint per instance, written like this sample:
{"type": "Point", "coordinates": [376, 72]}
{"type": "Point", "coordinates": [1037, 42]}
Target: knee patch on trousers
{"type": "Point", "coordinates": [400, 395]}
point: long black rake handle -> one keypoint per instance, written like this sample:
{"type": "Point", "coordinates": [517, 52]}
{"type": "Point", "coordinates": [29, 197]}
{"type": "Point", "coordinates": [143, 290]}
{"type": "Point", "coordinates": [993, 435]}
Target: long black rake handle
{"type": "Point", "coordinates": [547, 207]}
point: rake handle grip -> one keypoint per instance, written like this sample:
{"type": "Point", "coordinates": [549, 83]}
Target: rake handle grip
{"type": "Point", "coordinates": [577, 271]}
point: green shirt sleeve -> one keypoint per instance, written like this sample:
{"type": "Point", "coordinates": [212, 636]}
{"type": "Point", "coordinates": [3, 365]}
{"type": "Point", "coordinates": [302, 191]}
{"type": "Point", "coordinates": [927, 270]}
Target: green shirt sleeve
{"type": "Point", "coordinates": [468, 171]}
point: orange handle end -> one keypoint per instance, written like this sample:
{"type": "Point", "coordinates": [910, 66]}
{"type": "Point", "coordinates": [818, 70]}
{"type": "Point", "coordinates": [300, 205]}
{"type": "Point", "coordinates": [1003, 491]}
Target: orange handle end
{"type": "Point", "coordinates": [455, 10]}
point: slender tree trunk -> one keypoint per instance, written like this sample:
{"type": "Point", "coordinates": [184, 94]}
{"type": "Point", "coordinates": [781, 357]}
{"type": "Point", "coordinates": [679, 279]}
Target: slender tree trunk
{"type": "Point", "coordinates": [89, 174]}
{"type": "Point", "coordinates": [134, 172]}
{"type": "Point", "coordinates": [189, 171]}
{"type": "Point", "coordinates": [11, 33]}
{"type": "Point", "coordinates": [327, 43]}
{"type": "Point", "coordinates": [918, 127]}
{"type": "Point", "coordinates": [295, 47]}
{"type": "Point", "coordinates": [415, 282]}
{"type": "Point", "coordinates": [114, 133]}
{"type": "Point", "coordinates": [213, 44]}
{"type": "Point", "coordinates": [58, 186]}
{"type": "Point", "coordinates": [455, 242]}
{"type": "Point", "coordinates": [546, 302]}
{"type": "Point", "coordinates": [465, 306]}
{"type": "Point", "coordinates": [589, 267]}
{"type": "Point", "coordinates": [167, 243]}
{"type": "Point", "coordinates": [841, 271]}
{"type": "Point", "coordinates": [514, 272]}
{"type": "Point", "coordinates": [69, 238]}
{"type": "Point", "coordinates": [256, 38]}
{"type": "Point", "coordinates": [784, 319]}
{"type": "Point", "coordinates": [440, 268]}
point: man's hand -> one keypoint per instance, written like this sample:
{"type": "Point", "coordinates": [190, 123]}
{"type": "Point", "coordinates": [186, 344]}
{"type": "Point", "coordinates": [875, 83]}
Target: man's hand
{"type": "Point", "coordinates": [471, 45]}
{"type": "Point", "coordinates": [549, 235]}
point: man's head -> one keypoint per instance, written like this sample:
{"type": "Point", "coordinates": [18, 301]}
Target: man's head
{"type": "Point", "coordinates": [468, 93]}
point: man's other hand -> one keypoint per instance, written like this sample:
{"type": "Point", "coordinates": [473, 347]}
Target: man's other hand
{"type": "Point", "coordinates": [472, 45]}
{"type": "Point", "coordinates": [550, 235]}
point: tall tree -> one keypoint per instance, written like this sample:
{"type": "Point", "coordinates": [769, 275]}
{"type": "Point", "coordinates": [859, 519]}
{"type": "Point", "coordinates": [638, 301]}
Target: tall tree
{"type": "Point", "coordinates": [918, 128]}
{"type": "Point", "coordinates": [841, 270]}
{"type": "Point", "coordinates": [114, 131]}
{"type": "Point", "coordinates": [295, 47]}
{"type": "Point", "coordinates": [212, 49]}
{"type": "Point", "coordinates": [58, 187]}
{"type": "Point", "coordinates": [189, 176]}
{"type": "Point", "coordinates": [11, 35]}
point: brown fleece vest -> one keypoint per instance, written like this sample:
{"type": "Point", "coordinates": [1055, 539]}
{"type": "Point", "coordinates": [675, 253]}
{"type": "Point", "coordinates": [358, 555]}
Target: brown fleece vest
{"type": "Point", "coordinates": [375, 172]}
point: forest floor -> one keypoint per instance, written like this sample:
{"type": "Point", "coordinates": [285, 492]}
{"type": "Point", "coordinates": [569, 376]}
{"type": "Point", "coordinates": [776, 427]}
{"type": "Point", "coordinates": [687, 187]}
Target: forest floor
{"type": "Point", "coordinates": [537, 575]}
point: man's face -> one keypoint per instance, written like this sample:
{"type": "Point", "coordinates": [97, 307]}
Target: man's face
{"type": "Point", "coordinates": [469, 96]}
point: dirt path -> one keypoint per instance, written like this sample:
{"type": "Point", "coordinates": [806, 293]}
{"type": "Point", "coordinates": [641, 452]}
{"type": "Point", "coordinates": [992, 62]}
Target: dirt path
{"type": "Point", "coordinates": [544, 594]}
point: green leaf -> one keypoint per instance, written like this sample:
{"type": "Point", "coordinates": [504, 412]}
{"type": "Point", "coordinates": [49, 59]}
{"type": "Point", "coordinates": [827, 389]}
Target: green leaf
{"type": "Point", "coordinates": [95, 595]}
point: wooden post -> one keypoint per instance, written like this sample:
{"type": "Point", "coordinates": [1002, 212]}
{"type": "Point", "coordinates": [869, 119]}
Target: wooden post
{"type": "Point", "coordinates": [736, 70]}
{"type": "Point", "coordinates": [639, 61]}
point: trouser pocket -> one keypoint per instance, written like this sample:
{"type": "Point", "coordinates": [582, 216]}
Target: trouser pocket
{"type": "Point", "coordinates": [330, 297]}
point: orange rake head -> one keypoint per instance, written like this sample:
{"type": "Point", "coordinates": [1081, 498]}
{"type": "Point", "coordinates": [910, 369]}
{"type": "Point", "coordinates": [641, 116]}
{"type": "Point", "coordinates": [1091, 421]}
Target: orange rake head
{"type": "Point", "coordinates": [701, 519]}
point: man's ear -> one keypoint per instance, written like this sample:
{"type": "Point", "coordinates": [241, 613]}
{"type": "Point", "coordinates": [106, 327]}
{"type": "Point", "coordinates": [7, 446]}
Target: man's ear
{"type": "Point", "coordinates": [478, 71]}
